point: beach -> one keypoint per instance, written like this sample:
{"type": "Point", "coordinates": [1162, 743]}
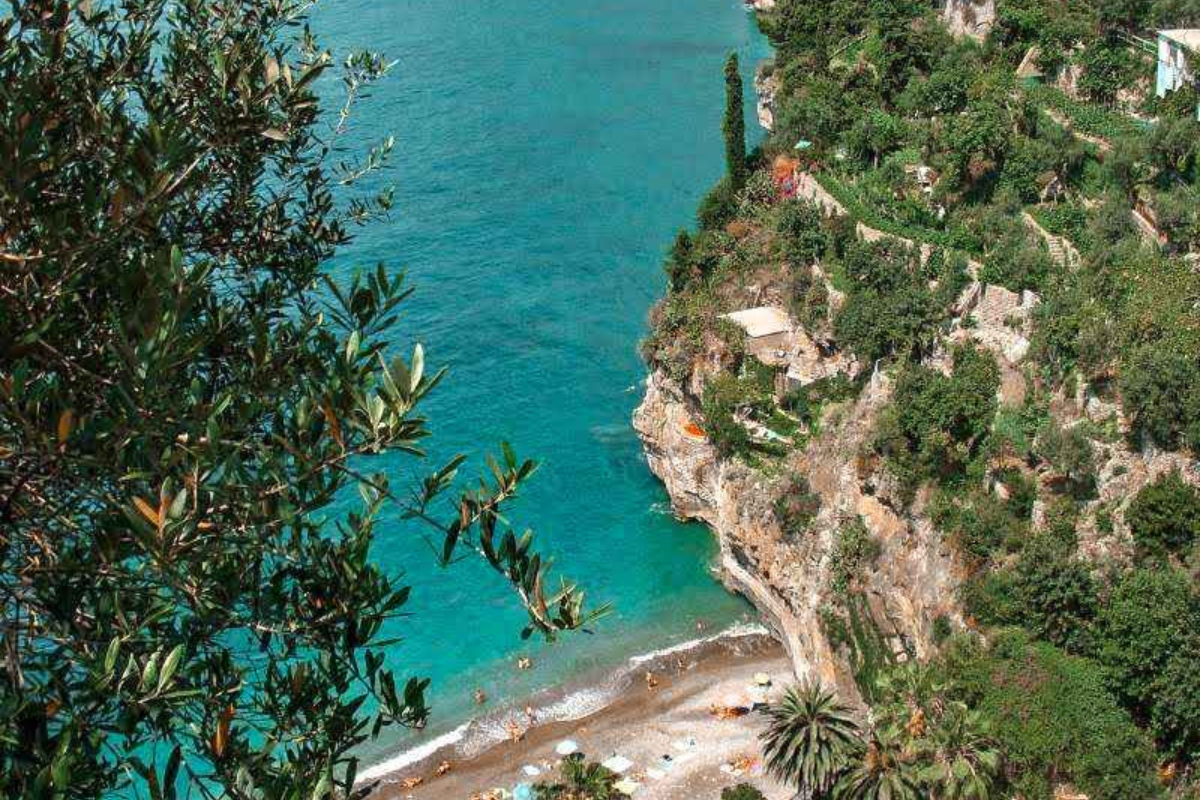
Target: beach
{"type": "Point", "coordinates": [669, 728]}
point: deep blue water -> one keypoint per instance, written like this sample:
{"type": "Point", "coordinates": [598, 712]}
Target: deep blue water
{"type": "Point", "coordinates": [546, 153]}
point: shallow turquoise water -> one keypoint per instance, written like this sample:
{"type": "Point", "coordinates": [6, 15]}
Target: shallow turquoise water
{"type": "Point", "coordinates": [546, 152]}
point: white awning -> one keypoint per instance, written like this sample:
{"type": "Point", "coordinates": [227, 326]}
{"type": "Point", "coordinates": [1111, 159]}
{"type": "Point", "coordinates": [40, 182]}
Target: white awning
{"type": "Point", "coordinates": [761, 321]}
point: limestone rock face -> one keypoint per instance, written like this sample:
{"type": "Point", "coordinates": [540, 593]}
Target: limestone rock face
{"type": "Point", "coordinates": [1002, 321]}
{"type": "Point", "coordinates": [766, 86]}
{"type": "Point", "coordinates": [973, 18]}
{"type": "Point", "coordinates": [787, 577]}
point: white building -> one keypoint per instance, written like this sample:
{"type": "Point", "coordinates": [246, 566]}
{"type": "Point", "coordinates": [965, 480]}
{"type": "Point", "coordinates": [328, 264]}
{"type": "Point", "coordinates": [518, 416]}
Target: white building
{"type": "Point", "coordinates": [1178, 52]}
{"type": "Point", "coordinates": [767, 329]}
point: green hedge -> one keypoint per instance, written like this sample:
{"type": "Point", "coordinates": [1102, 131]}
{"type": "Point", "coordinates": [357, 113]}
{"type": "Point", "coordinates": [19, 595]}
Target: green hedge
{"type": "Point", "coordinates": [848, 197]}
{"type": "Point", "coordinates": [1085, 117]}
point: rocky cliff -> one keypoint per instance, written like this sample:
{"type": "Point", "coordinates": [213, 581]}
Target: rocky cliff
{"type": "Point", "coordinates": [914, 581]}
{"type": "Point", "coordinates": [788, 578]}
{"type": "Point", "coordinates": [915, 578]}
{"type": "Point", "coordinates": [973, 18]}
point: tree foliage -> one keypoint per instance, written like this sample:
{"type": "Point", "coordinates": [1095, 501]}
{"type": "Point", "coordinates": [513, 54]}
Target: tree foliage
{"type": "Point", "coordinates": [734, 125]}
{"type": "Point", "coordinates": [809, 739]}
{"type": "Point", "coordinates": [581, 780]}
{"type": "Point", "coordinates": [1052, 717]}
{"type": "Point", "coordinates": [1148, 623]}
{"type": "Point", "coordinates": [188, 403]}
{"type": "Point", "coordinates": [1165, 516]}
{"type": "Point", "coordinates": [889, 309]}
{"type": "Point", "coordinates": [937, 422]}
{"type": "Point", "coordinates": [743, 791]}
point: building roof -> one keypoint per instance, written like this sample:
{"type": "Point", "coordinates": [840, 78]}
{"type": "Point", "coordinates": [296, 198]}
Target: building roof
{"type": "Point", "coordinates": [1188, 37]}
{"type": "Point", "coordinates": [761, 321]}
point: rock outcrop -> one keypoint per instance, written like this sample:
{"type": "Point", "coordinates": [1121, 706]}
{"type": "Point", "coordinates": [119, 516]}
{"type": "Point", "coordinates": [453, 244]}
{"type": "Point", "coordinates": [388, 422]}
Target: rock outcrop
{"type": "Point", "coordinates": [788, 577]}
{"type": "Point", "coordinates": [766, 86]}
{"type": "Point", "coordinates": [973, 18]}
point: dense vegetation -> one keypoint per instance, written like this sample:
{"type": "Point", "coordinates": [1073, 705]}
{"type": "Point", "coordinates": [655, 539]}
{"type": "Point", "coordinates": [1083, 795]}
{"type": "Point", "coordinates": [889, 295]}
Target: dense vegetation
{"type": "Point", "coordinates": [1071, 184]}
{"type": "Point", "coordinates": [184, 609]}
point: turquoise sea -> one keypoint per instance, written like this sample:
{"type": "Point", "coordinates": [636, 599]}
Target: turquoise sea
{"type": "Point", "coordinates": [546, 153]}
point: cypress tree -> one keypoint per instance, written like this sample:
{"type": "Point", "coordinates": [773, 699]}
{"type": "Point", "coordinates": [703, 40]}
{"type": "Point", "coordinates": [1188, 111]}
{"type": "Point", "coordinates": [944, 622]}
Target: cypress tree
{"type": "Point", "coordinates": [679, 262]}
{"type": "Point", "coordinates": [734, 126]}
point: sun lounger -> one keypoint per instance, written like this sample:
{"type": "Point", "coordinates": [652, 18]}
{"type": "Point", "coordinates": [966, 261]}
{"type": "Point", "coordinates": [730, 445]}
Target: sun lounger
{"type": "Point", "coordinates": [618, 764]}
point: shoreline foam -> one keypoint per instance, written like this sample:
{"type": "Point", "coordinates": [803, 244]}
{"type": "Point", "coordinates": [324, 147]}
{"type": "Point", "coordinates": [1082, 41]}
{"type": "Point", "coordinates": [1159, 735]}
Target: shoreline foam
{"type": "Point", "coordinates": [563, 703]}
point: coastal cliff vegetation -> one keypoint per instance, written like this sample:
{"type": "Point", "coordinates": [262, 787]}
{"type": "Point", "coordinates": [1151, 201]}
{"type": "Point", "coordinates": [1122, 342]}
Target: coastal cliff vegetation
{"type": "Point", "coordinates": [949, 326]}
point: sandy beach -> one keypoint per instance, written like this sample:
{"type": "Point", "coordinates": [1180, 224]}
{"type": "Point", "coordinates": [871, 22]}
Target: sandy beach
{"type": "Point", "coordinates": [676, 747]}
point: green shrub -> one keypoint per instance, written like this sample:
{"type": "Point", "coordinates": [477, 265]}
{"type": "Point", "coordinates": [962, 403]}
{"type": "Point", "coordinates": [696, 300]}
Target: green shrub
{"type": "Point", "coordinates": [1058, 595]}
{"type": "Point", "coordinates": [1015, 429]}
{"type": "Point", "coordinates": [1022, 491]}
{"type": "Point", "coordinates": [1016, 266]}
{"type": "Point", "coordinates": [980, 524]}
{"type": "Point", "coordinates": [854, 552]}
{"type": "Point", "coordinates": [1069, 452]}
{"type": "Point", "coordinates": [941, 629]}
{"type": "Point", "coordinates": [796, 507]}
{"type": "Point", "coordinates": [722, 398]}
{"type": "Point", "coordinates": [1053, 717]}
{"type": "Point", "coordinates": [937, 423]}
{"type": "Point", "coordinates": [1165, 516]}
{"type": "Point", "coordinates": [718, 206]}
{"type": "Point", "coordinates": [1160, 388]}
{"type": "Point", "coordinates": [1058, 322]}
{"type": "Point", "coordinates": [743, 791]}
{"type": "Point", "coordinates": [1108, 67]}
{"type": "Point", "coordinates": [1175, 717]}
{"type": "Point", "coordinates": [1180, 104]}
{"type": "Point", "coordinates": [581, 780]}
{"type": "Point", "coordinates": [807, 401]}
{"type": "Point", "coordinates": [889, 308]}
{"type": "Point", "coordinates": [1151, 617]}
{"type": "Point", "coordinates": [679, 266]}
{"type": "Point", "coordinates": [798, 226]}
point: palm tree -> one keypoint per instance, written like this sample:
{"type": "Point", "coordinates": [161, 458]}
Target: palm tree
{"type": "Point", "coordinates": [581, 780]}
{"type": "Point", "coordinates": [884, 770]}
{"type": "Point", "coordinates": [810, 738]}
{"type": "Point", "coordinates": [962, 761]}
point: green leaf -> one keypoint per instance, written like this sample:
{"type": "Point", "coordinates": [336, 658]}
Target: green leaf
{"type": "Point", "coordinates": [179, 504]}
{"type": "Point", "coordinates": [149, 672]}
{"type": "Point", "coordinates": [418, 367]}
{"type": "Point", "coordinates": [168, 668]}
{"type": "Point", "coordinates": [110, 657]}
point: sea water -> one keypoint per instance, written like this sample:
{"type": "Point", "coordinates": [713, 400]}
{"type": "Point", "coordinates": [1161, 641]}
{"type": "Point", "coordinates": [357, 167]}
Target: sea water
{"type": "Point", "coordinates": [546, 152]}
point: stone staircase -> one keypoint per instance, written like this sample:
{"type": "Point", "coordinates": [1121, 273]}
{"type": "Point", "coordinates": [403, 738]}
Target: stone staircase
{"type": "Point", "coordinates": [1061, 250]}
